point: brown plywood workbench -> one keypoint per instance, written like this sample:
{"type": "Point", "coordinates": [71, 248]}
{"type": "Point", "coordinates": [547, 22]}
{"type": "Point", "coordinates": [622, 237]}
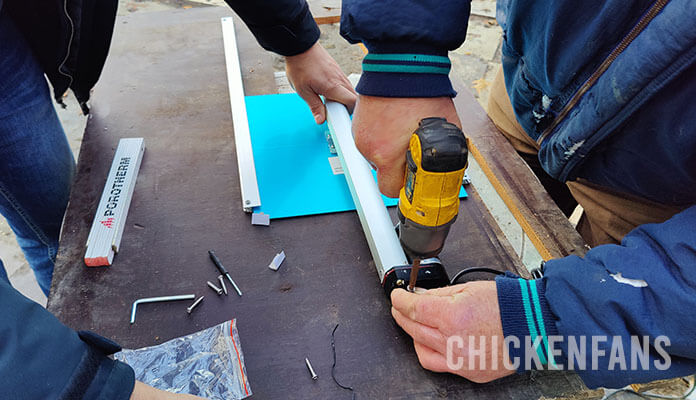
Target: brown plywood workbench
{"type": "Point", "coordinates": [165, 80]}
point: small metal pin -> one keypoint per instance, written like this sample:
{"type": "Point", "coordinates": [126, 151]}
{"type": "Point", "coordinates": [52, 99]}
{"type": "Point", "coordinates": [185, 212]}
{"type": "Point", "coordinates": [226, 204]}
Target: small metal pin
{"type": "Point", "coordinates": [215, 288]}
{"type": "Point", "coordinates": [195, 303]}
{"type": "Point", "coordinates": [311, 370]}
{"type": "Point", "coordinates": [414, 275]}
{"type": "Point", "coordinates": [222, 283]}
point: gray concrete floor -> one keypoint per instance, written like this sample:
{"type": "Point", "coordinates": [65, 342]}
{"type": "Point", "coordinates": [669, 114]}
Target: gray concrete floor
{"type": "Point", "coordinates": [475, 63]}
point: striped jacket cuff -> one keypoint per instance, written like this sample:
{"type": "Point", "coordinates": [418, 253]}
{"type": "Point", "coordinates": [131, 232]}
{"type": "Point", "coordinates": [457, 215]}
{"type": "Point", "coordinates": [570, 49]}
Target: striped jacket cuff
{"type": "Point", "coordinates": [526, 315]}
{"type": "Point", "coordinates": [403, 74]}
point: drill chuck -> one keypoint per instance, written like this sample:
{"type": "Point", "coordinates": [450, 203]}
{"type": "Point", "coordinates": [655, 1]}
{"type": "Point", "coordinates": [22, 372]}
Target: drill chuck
{"type": "Point", "coordinates": [422, 241]}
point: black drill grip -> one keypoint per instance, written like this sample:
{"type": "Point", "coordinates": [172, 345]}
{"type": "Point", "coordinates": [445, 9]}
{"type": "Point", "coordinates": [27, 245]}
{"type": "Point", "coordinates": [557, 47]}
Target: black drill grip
{"type": "Point", "coordinates": [443, 145]}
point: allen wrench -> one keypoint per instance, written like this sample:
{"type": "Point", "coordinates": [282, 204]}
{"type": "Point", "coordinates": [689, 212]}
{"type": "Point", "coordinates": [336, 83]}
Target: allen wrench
{"type": "Point", "coordinates": [157, 300]}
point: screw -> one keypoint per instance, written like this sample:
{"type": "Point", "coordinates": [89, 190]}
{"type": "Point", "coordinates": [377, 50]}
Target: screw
{"type": "Point", "coordinates": [222, 283]}
{"type": "Point", "coordinates": [400, 282]}
{"type": "Point", "coordinates": [195, 303]}
{"type": "Point", "coordinates": [247, 202]}
{"type": "Point", "coordinates": [215, 288]}
{"type": "Point", "coordinates": [311, 370]}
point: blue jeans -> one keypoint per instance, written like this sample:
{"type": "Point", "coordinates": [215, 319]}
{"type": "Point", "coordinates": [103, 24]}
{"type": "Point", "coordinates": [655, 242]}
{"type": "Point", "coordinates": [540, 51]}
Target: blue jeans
{"type": "Point", "coordinates": [36, 163]}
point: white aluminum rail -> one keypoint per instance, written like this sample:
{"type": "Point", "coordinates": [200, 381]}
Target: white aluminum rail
{"type": "Point", "coordinates": [377, 225]}
{"type": "Point", "coordinates": [242, 140]}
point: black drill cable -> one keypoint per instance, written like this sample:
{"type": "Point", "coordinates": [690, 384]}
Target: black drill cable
{"type": "Point", "coordinates": [333, 367]}
{"type": "Point", "coordinates": [472, 270]}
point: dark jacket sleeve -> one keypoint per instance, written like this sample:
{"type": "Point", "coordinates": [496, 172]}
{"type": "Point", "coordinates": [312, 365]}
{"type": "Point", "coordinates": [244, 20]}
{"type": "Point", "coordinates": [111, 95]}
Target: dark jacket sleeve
{"type": "Point", "coordinates": [636, 300]}
{"type": "Point", "coordinates": [408, 41]}
{"type": "Point", "coordinates": [282, 26]}
{"type": "Point", "coordinates": [40, 358]}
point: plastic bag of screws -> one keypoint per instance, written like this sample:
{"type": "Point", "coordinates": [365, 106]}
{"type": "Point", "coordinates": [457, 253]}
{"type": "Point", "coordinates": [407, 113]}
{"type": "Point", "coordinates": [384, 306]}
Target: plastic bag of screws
{"type": "Point", "coordinates": [208, 363]}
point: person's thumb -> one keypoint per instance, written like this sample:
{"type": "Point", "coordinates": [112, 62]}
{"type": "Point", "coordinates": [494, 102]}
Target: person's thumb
{"type": "Point", "coordinates": [316, 106]}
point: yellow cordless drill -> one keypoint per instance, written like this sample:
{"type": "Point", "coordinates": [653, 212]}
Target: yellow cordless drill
{"type": "Point", "coordinates": [429, 200]}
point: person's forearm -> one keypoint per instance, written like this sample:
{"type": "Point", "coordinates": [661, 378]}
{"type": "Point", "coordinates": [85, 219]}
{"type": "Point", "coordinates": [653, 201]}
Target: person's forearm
{"type": "Point", "coordinates": [287, 28]}
{"type": "Point", "coordinates": [42, 358]}
{"type": "Point", "coordinates": [408, 49]}
{"type": "Point", "coordinates": [282, 26]}
{"type": "Point", "coordinates": [610, 301]}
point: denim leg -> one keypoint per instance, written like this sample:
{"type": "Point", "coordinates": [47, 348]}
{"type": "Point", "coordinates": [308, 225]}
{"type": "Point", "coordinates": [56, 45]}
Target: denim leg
{"type": "Point", "coordinates": [36, 163]}
{"type": "Point", "coordinates": [3, 273]}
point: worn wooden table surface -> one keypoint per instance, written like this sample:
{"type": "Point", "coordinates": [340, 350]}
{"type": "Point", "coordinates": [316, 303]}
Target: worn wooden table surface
{"type": "Point", "coordinates": [165, 81]}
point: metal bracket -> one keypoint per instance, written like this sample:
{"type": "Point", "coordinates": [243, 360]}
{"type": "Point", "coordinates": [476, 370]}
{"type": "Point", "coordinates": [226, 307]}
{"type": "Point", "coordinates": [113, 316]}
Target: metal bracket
{"type": "Point", "coordinates": [242, 139]}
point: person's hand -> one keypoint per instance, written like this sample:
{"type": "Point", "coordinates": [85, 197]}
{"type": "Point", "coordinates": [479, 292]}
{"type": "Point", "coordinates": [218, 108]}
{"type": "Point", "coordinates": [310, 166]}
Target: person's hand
{"type": "Point", "coordinates": [382, 128]}
{"type": "Point", "coordinates": [142, 391]}
{"type": "Point", "coordinates": [315, 73]}
{"type": "Point", "coordinates": [463, 311]}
